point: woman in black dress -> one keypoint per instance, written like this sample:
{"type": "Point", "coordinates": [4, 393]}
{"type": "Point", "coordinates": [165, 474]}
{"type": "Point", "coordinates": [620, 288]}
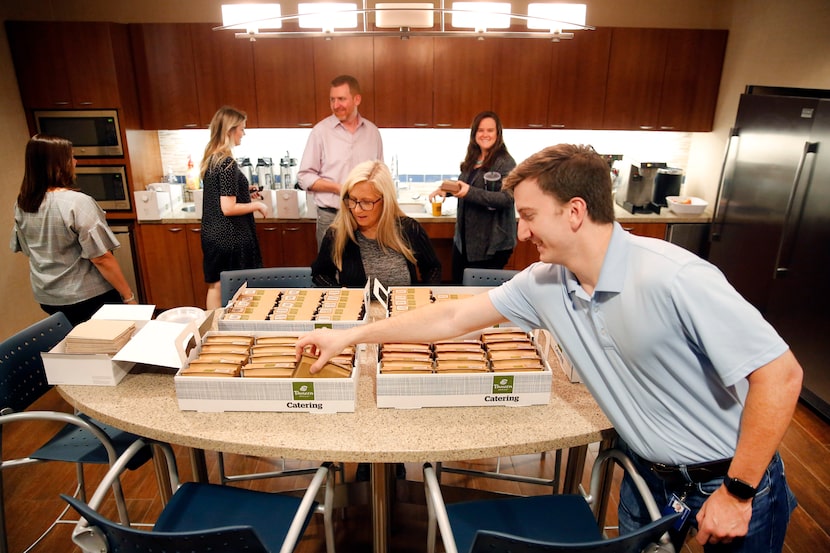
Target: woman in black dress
{"type": "Point", "coordinates": [228, 230]}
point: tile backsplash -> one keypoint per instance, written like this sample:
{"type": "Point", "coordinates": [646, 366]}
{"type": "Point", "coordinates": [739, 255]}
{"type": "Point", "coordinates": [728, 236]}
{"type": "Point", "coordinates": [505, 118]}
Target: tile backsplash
{"type": "Point", "coordinates": [426, 155]}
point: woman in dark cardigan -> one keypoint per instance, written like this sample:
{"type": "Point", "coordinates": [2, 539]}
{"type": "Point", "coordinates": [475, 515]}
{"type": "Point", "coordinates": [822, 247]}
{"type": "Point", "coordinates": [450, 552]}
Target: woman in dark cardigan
{"type": "Point", "coordinates": [372, 237]}
{"type": "Point", "coordinates": [485, 228]}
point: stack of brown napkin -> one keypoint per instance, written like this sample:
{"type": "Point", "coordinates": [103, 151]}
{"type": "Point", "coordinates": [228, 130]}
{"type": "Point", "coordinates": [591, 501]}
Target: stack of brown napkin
{"type": "Point", "coordinates": [99, 336]}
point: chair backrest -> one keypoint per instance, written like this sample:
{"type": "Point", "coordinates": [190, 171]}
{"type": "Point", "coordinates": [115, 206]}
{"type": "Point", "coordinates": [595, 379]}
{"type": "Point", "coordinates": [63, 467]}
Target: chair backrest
{"type": "Point", "coordinates": [124, 539]}
{"type": "Point", "coordinates": [486, 277]}
{"type": "Point", "coordinates": [269, 277]}
{"type": "Point", "coordinates": [22, 376]}
{"type": "Point", "coordinates": [636, 542]}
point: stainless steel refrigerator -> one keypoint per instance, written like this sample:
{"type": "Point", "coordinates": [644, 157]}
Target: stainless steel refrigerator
{"type": "Point", "coordinates": [770, 232]}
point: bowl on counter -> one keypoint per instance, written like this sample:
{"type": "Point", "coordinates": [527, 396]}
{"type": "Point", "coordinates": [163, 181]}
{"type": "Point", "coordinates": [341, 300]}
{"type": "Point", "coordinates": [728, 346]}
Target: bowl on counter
{"type": "Point", "coordinates": [686, 205]}
{"type": "Point", "coordinates": [182, 315]}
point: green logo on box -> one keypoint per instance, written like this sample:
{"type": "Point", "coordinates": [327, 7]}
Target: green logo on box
{"type": "Point", "coordinates": [303, 391]}
{"type": "Point", "coordinates": [503, 384]}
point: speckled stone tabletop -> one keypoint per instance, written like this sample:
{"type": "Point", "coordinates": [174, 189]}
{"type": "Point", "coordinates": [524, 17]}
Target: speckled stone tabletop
{"type": "Point", "coordinates": [145, 403]}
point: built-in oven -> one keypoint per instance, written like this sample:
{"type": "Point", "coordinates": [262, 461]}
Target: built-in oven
{"type": "Point", "coordinates": [107, 184]}
{"type": "Point", "coordinates": [93, 133]}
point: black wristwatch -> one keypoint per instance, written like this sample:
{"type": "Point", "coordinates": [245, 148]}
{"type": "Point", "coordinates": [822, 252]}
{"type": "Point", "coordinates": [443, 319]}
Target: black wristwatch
{"type": "Point", "coordinates": [739, 488]}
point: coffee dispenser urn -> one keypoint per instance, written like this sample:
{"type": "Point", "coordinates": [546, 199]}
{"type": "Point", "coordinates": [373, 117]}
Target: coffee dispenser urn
{"type": "Point", "coordinates": [288, 172]}
{"type": "Point", "coordinates": [636, 189]}
{"type": "Point", "coordinates": [265, 173]}
{"type": "Point", "coordinates": [666, 183]}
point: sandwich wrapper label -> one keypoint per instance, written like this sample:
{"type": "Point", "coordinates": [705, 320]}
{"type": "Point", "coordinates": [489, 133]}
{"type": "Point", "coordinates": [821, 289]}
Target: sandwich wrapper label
{"type": "Point", "coordinates": [161, 343]}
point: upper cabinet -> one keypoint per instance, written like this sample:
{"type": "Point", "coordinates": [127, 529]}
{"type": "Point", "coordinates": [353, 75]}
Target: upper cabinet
{"type": "Point", "coordinates": [663, 79]}
{"type": "Point", "coordinates": [285, 91]}
{"type": "Point", "coordinates": [403, 81]}
{"type": "Point", "coordinates": [224, 72]}
{"type": "Point", "coordinates": [578, 80]}
{"type": "Point", "coordinates": [66, 65]}
{"type": "Point", "coordinates": [520, 104]}
{"type": "Point", "coordinates": [343, 56]}
{"type": "Point", "coordinates": [166, 75]}
{"type": "Point", "coordinates": [463, 80]}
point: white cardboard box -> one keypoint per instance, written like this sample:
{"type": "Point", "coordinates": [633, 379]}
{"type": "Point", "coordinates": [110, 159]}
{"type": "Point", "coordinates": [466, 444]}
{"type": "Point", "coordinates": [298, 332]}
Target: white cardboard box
{"type": "Point", "coordinates": [228, 324]}
{"type": "Point", "coordinates": [513, 389]}
{"type": "Point", "coordinates": [315, 395]}
{"type": "Point", "coordinates": [154, 343]}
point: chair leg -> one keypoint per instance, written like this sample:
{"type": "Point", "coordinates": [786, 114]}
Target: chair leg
{"type": "Point", "coordinates": [328, 522]}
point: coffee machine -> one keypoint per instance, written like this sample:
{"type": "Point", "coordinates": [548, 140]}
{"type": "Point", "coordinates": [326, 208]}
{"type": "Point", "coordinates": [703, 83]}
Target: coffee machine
{"type": "Point", "coordinates": [288, 172]}
{"type": "Point", "coordinates": [637, 186]}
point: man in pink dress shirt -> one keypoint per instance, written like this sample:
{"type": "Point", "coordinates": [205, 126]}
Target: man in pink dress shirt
{"type": "Point", "coordinates": [335, 146]}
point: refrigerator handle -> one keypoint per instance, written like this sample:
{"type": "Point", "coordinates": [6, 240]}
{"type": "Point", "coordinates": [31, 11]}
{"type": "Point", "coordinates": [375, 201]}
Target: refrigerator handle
{"type": "Point", "coordinates": [723, 190]}
{"type": "Point", "coordinates": [782, 258]}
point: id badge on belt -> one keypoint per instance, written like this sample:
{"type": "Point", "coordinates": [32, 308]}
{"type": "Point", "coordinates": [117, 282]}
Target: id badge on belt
{"type": "Point", "coordinates": [677, 505]}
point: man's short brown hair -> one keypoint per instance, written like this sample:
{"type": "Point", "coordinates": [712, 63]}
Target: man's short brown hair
{"type": "Point", "coordinates": [354, 86]}
{"type": "Point", "coordinates": [568, 171]}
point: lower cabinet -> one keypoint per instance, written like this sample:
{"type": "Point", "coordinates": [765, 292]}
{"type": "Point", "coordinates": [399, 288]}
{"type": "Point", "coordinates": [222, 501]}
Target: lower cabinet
{"type": "Point", "coordinates": [652, 230]}
{"type": "Point", "coordinates": [171, 265]}
{"type": "Point", "coordinates": [171, 258]}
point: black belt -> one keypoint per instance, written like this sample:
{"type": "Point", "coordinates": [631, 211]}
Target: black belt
{"type": "Point", "coordinates": [700, 472]}
{"type": "Point", "coordinates": [327, 209]}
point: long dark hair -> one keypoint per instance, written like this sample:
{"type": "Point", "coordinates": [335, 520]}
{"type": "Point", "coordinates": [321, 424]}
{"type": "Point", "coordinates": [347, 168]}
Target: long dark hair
{"type": "Point", "coordinates": [49, 164]}
{"type": "Point", "coordinates": [473, 149]}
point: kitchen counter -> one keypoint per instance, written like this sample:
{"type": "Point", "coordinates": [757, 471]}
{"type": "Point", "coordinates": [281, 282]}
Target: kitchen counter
{"type": "Point", "coordinates": [665, 216]}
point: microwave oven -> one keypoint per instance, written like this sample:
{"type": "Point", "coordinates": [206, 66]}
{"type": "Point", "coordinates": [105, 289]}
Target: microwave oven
{"type": "Point", "coordinates": [93, 133]}
{"type": "Point", "coordinates": [107, 184]}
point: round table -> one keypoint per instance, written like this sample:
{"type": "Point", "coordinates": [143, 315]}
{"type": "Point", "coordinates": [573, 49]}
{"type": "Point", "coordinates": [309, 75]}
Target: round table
{"type": "Point", "coordinates": [145, 403]}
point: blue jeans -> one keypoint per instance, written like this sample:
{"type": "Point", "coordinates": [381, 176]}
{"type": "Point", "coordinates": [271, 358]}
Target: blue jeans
{"type": "Point", "coordinates": [771, 508]}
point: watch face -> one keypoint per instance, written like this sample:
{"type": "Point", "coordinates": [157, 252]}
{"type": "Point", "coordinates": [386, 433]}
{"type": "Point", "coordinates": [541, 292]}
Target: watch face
{"type": "Point", "coordinates": [739, 488]}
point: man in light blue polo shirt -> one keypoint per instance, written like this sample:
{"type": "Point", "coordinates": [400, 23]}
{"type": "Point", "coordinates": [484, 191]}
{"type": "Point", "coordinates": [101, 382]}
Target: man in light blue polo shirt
{"type": "Point", "coordinates": [698, 385]}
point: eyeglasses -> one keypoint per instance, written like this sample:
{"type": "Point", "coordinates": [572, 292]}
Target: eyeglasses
{"type": "Point", "coordinates": [365, 205]}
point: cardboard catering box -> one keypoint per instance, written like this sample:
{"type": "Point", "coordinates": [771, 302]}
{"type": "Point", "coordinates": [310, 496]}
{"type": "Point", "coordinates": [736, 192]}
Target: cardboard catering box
{"type": "Point", "coordinates": [154, 343]}
{"type": "Point", "coordinates": [513, 389]}
{"type": "Point", "coordinates": [308, 395]}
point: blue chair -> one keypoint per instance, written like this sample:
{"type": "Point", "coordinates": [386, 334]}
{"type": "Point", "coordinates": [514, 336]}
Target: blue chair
{"type": "Point", "coordinates": [80, 440]}
{"type": "Point", "coordinates": [201, 517]}
{"type": "Point", "coordinates": [269, 277]}
{"type": "Point", "coordinates": [486, 277]}
{"type": "Point", "coordinates": [544, 523]}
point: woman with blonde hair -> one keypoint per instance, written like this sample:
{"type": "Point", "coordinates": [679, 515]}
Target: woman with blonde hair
{"type": "Point", "coordinates": [229, 238]}
{"type": "Point", "coordinates": [372, 237]}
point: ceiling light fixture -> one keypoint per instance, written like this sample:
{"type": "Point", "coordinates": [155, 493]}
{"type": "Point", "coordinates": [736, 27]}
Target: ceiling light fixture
{"type": "Point", "coordinates": [405, 19]}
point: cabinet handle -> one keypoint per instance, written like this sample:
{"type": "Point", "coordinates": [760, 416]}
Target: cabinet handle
{"type": "Point", "coordinates": [175, 229]}
{"type": "Point", "coordinates": [305, 124]}
{"type": "Point", "coordinates": [420, 124]}
{"type": "Point", "coordinates": [557, 126]}
{"type": "Point", "coordinates": [197, 230]}
{"type": "Point", "coordinates": [663, 128]}
{"type": "Point", "coordinates": [291, 229]}
{"type": "Point", "coordinates": [646, 127]}
{"type": "Point", "coordinates": [84, 103]}
{"type": "Point", "coordinates": [443, 124]}
{"type": "Point", "coordinates": [190, 125]}
{"type": "Point", "coordinates": [628, 229]}
{"type": "Point", "coordinates": [535, 125]}
{"type": "Point", "coordinates": [61, 103]}
{"type": "Point", "coordinates": [269, 229]}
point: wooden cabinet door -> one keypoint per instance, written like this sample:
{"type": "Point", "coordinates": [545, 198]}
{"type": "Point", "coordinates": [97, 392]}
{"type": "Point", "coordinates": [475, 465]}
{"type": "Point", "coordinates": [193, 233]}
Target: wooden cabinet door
{"type": "Point", "coordinates": [270, 243]}
{"type": "Point", "coordinates": [403, 81]}
{"type": "Point", "coordinates": [463, 79]}
{"type": "Point", "coordinates": [344, 56]}
{"type": "Point", "coordinates": [64, 65]}
{"type": "Point", "coordinates": [578, 79]}
{"type": "Point", "coordinates": [521, 82]}
{"type": "Point", "coordinates": [652, 230]}
{"type": "Point", "coordinates": [225, 69]}
{"type": "Point", "coordinates": [299, 243]}
{"type": "Point", "coordinates": [284, 82]}
{"type": "Point", "coordinates": [165, 265]}
{"type": "Point", "coordinates": [635, 78]}
{"type": "Point", "coordinates": [694, 63]}
{"type": "Point", "coordinates": [197, 271]}
{"type": "Point", "coordinates": [440, 235]}
{"type": "Point", "coordinates": [165, 75]}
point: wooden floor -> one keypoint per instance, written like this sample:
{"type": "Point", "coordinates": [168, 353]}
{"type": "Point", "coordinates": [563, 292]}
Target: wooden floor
{"type": "Point", "coordinates": [32, 502]}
